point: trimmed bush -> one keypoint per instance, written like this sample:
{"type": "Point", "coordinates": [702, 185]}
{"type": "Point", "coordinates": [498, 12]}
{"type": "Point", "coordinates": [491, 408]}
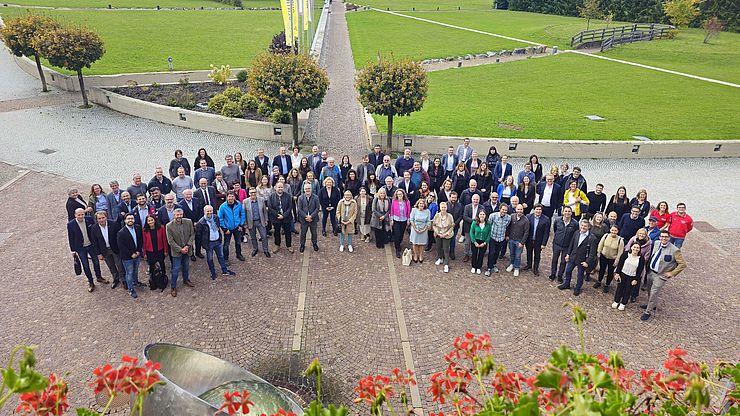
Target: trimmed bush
{"type": "Point", "coordinates": [233, 93]}
{"type": "Point", "coordinates": [280, 117]}
{"type": "Point", "coordinates": [217, 102]}
{"type": "Point", "coordinates": [248, 102]}
{"type": "Point", "coordinates": [264, 110]}
{"type": "Point", "coordinates": [241, 76]}
{"type": "Point", "coordinates": [232, 109]}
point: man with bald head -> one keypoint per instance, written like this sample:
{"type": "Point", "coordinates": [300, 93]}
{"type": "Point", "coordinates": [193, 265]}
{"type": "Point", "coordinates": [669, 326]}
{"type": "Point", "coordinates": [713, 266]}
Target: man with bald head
{"type": "Point", "coordinates": [137, 187]}
{"type": "Point", "coordinates": [160, 181]}
{"type": "Point", "coordinates": [80, 244]}
{"type": "Point", "coordinates": [209, 230]}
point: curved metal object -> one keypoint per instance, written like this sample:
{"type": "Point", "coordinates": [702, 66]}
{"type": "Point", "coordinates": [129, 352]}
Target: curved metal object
{"type": "Point", "coordinates": [194, 378]}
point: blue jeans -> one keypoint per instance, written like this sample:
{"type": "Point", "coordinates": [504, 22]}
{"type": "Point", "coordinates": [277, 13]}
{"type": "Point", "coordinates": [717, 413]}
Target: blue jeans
{"type": "Point", "coordinates": [237, 242]}
{"type": "Point", "coordinates": [132, 271]}
{"type": "Point", "coordinates": [182, 262]}
{"type": "Point", "coordinates": [215, 246]}
{"type": "Point", "coordinates": [569, 274]}
{"type": "Point", "coordinates": [84, 253]}
{"type": "Point", "coordinates": [678, 242]}
{"type": "Point", "coordinates": [515, 253]}
{"type": "Point", "coordinates": [341, 239]}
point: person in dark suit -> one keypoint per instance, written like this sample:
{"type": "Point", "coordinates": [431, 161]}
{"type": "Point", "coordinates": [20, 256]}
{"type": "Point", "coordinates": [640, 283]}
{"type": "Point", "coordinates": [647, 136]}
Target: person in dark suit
{"type": "Point", "coordinates": [412, 192]}
{"type": "Point", "coordinates": [142, 209]}
{"type": "Point", "coordinates": [376, 156]}
{"type": "Point", "coordinates": [470, 213]}
{"type": "Point", "coordinates": [166, 213]}
{"type": "Point", "coordinates": [549, 195]}
{"type": "Point", "coordinates": [456, 209]}
{"type": "Point", "coordinates": [130, 245]}
{"type": "Point", "coordinates": [280, 211]}
{"type": "Point", "coordinates": [262, 161]}
{"type": "Point", "coordinates": [104, 236]}
{"type": "Point", "coordinates": [539, 233]}
{"type": "Point", "coordinates": [329, 198]}
{"type": "Point", "coordinates": [581, 255]}
{"type": "Point", "coordinates": [192, 210]}
{"type": "Point", "coordinates": [283, 162]}
{"type": "Point", "coordinates": [205, 194]}
{"type": "Point", "coordinates": [308, 214]}
{"type": "Point", "coordinates": [80, 244]}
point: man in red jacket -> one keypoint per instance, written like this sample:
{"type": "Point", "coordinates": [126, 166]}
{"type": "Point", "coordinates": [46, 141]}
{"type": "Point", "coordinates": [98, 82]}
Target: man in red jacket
{"type": "Point", "coordinates": [680, 223]}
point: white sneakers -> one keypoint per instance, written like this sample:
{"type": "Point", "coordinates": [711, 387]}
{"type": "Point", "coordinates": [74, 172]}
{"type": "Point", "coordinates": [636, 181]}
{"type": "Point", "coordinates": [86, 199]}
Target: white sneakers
{"type": "Point", "coordinates": [472, 270]}
{"type": "Point", "coordinates": [447, 268]}
{"type": "Point", "coordinates": [461, 239]}
{"type": "Point", "coordinates": [516, 272]}
{"type": "Point", "coordinates": [341, 248]}
{"type": "Point", "coordinates": [438, 262]}
{"type": "Point", "coordinates": [349, 247]}
{"type": "Point", "coordinates": [614, 305]}
{"type": "Point", "coordinates": [510, 268]}
{"type": "Point", "coordinates": [488, 272]}
{"type": "Point", "coordinates": [621, 307]}
{"type": "Point", "coordinates": [477, 271]}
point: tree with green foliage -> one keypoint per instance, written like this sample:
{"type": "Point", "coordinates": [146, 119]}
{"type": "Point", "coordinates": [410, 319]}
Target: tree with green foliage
{"type": "Point", "coordinates": [71, 48]}
{"type": "Point", "coordinates": [19, 33]}
{"type": "Point", "coordinates": [392, 89]}
{"type": "Point", "coordinates": [590, 10]}
{"type": "Point", "coordinates": [288, 82]}
{"type": "Point", "coordinates": [681, 12]}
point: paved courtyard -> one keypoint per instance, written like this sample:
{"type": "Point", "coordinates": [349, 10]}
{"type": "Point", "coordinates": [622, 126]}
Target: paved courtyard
{"type": "Point", "coordinates": [358, 313]}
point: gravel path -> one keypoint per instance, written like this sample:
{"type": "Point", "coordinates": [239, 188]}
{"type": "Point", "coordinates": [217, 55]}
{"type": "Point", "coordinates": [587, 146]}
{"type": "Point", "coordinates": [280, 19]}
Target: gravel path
{"type": "Point", "coordinates": [338, 126]}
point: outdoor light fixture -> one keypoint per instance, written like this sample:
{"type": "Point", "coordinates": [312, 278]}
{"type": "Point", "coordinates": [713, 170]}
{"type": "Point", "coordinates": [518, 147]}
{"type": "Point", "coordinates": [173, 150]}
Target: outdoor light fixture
{"type": "Point", "coordinates": [717, 147]}
{"type": "Point", "coordinates": [407, 142]}
{"type": "Point", "coordinates": [635, 148]}
{"type": "Point", "coordinates": [182, 117]}
{"type": "Point", "coordinates": [512, 147]}
{"type": "Point", "coordinates": [277, 131]}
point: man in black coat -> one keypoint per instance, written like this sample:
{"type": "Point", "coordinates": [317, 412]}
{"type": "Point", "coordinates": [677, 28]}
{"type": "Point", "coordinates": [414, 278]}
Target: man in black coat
{"type": "Point", "coordinates": [539, 233]}
{"type": "Point", "coordinates": [283, 162]}
{"type": "Point", "coordinates": [80, 243]}
{"type": "Point", "coordinates": [104, 236]}
{"type": "Point", "coordinates": [456, 209]}
{"type": "Point", "coordinates": [130, 242]}
{"type": "Point", "coordinates": [205, 194]}
{"type": "Point", "coordinates": [581, 255]}
{"type": "Point", "coordinates": [550, 195]}
{"type": "Point", "coordinates": [280, 210]}
{"type": "Point", "coordinates": [192, 210]}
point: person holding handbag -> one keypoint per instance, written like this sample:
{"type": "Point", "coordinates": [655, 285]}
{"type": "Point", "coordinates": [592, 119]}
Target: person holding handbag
{"type": "Point", "coordinates": [444, 226]}
{"type": "Point", "coordinates": [627, 274]}
{"type": "Point", "coordinates": [346, 215]}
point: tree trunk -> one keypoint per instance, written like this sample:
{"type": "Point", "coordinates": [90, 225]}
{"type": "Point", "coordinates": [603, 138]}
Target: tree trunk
{"type": "Point", "coordinates": [295, 128]}
{"type": "Point", "coordinates": [41, 73]}
{"type": "Point", "coordinates": [588, 23]}
{"type": "Point", "coordinates": [389, 139]}
{"type": "Point", "coordinates": [82, 89]}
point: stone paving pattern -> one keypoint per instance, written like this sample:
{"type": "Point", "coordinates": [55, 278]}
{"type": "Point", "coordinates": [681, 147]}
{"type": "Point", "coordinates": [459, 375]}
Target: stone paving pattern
{"type": "Point", "coordinates": [350, 319]}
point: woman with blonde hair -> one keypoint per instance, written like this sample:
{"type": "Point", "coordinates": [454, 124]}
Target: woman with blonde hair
{"type": "Point", "coordinates": [400, 211]}
{"type": "Point", "coordinates": [364, 213]}
{"type": "Point", "coordinates": [575, 198]}
{"type": "Point", "coordinates": [328, 199]}
{"type": "Point", "coordinates": [640, 200]}
{"type": "Point", "coordinates": [380, 221]}
{"type": "Point", "coordinates": [420, 221]}
{"type": "Point", "coordinates": [346, 215]}
{"type": "Point", "coordinates": [506, 190]}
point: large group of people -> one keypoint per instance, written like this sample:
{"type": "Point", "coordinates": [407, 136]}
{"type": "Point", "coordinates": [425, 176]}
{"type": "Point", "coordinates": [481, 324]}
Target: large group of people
{"type": "Point", "coordinates": [432, 204]}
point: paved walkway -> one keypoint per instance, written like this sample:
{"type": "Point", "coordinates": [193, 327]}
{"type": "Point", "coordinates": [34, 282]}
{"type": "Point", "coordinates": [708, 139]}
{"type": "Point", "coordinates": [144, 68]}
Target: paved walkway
{"type": "Point", "coordinates": [338, 125]}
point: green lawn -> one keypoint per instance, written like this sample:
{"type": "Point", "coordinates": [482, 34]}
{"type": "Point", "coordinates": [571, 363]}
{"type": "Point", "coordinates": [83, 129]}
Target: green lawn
{"type": "Point", "coordinates": [428, 4]}
{"type": "Point", "coordinates": [547, 98]}
{"type": "Point", "coordinates": [686, 53]}
{"type": "Point", "coordinates": [370, 31]}
{"type": "Point", "coordinates": [141, 41]}
{"type": "Point", "coordinates": [142, 3]}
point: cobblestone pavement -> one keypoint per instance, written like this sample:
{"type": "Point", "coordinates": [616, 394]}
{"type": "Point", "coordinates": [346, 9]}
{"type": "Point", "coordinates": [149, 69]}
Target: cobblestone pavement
{"type": "Point", "coordinates": [350, 319]}
{"type": "Point", "coordinates": [338, 124]}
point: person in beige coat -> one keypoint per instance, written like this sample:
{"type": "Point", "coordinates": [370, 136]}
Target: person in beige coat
{"type": "Point", "coordinates": [346, 215]}
{"type": "Point", "coordinates": [611, 247]}
{"type": "Point", "coordinates": [444, 228]}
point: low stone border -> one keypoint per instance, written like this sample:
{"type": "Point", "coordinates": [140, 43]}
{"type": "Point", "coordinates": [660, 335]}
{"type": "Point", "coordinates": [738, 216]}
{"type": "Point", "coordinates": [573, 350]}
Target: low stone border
{"type": "Point", "coordinates": [176, 116]}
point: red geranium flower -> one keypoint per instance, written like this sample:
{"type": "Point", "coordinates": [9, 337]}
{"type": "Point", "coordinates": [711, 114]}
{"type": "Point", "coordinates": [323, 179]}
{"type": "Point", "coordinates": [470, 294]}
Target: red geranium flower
{"type": "Point", "coordinates": [235, 402]}
{"type": "Point", "coordinates": [50, 401]}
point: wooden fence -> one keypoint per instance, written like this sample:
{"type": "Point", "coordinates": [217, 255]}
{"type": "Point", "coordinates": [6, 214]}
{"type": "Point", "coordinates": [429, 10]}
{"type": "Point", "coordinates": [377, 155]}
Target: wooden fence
{"type": "Point", "coordinates": [608, 37]}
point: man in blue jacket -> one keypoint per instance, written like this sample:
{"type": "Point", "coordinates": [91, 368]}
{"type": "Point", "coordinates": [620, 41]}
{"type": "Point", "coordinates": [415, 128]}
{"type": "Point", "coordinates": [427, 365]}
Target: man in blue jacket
{"type": "Point", "coordinates": [231, 216]}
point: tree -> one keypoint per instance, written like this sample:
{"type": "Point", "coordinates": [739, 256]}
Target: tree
{"type": "Point", "coordinates": [712, 26]}
{"type": "Point", "coordinates": [288, 82]}
{"type": "Point", "coordinates": [590, 10]}
{"type": "Point", "coordinates": [392, 89]}
{"type": "Point", "coordinates": [681, 12]}
{"type": "Point", "coordinates": [19, 33]}
{"type": "Point", "coordinates": [71, 48]}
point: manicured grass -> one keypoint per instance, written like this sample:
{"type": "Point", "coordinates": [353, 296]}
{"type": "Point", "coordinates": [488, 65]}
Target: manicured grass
{"type": "Point", "coordinates": [142, 3]}
{"type": "Point", "coordinates": [141, 41]}
{"type": "Point", "coordinates": [370, 31]}
{"type": "Point", "coordinates": [548, 97]}
{"type": "Point", "coordinates": [686, 53]}
{"type": "Point", "coordinates": [428, 4]}
{"type": "Point", "coordinates": [719, 59]}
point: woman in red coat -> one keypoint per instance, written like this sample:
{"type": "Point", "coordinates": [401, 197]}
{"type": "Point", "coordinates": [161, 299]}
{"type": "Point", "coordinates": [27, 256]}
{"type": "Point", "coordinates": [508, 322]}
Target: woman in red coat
{"type": "Point", "coordinates": [155, 244]}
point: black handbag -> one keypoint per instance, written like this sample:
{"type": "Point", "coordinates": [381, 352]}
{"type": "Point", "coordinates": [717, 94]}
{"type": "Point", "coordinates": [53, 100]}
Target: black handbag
{"type": "Point", "coordinates": [77, 264]}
